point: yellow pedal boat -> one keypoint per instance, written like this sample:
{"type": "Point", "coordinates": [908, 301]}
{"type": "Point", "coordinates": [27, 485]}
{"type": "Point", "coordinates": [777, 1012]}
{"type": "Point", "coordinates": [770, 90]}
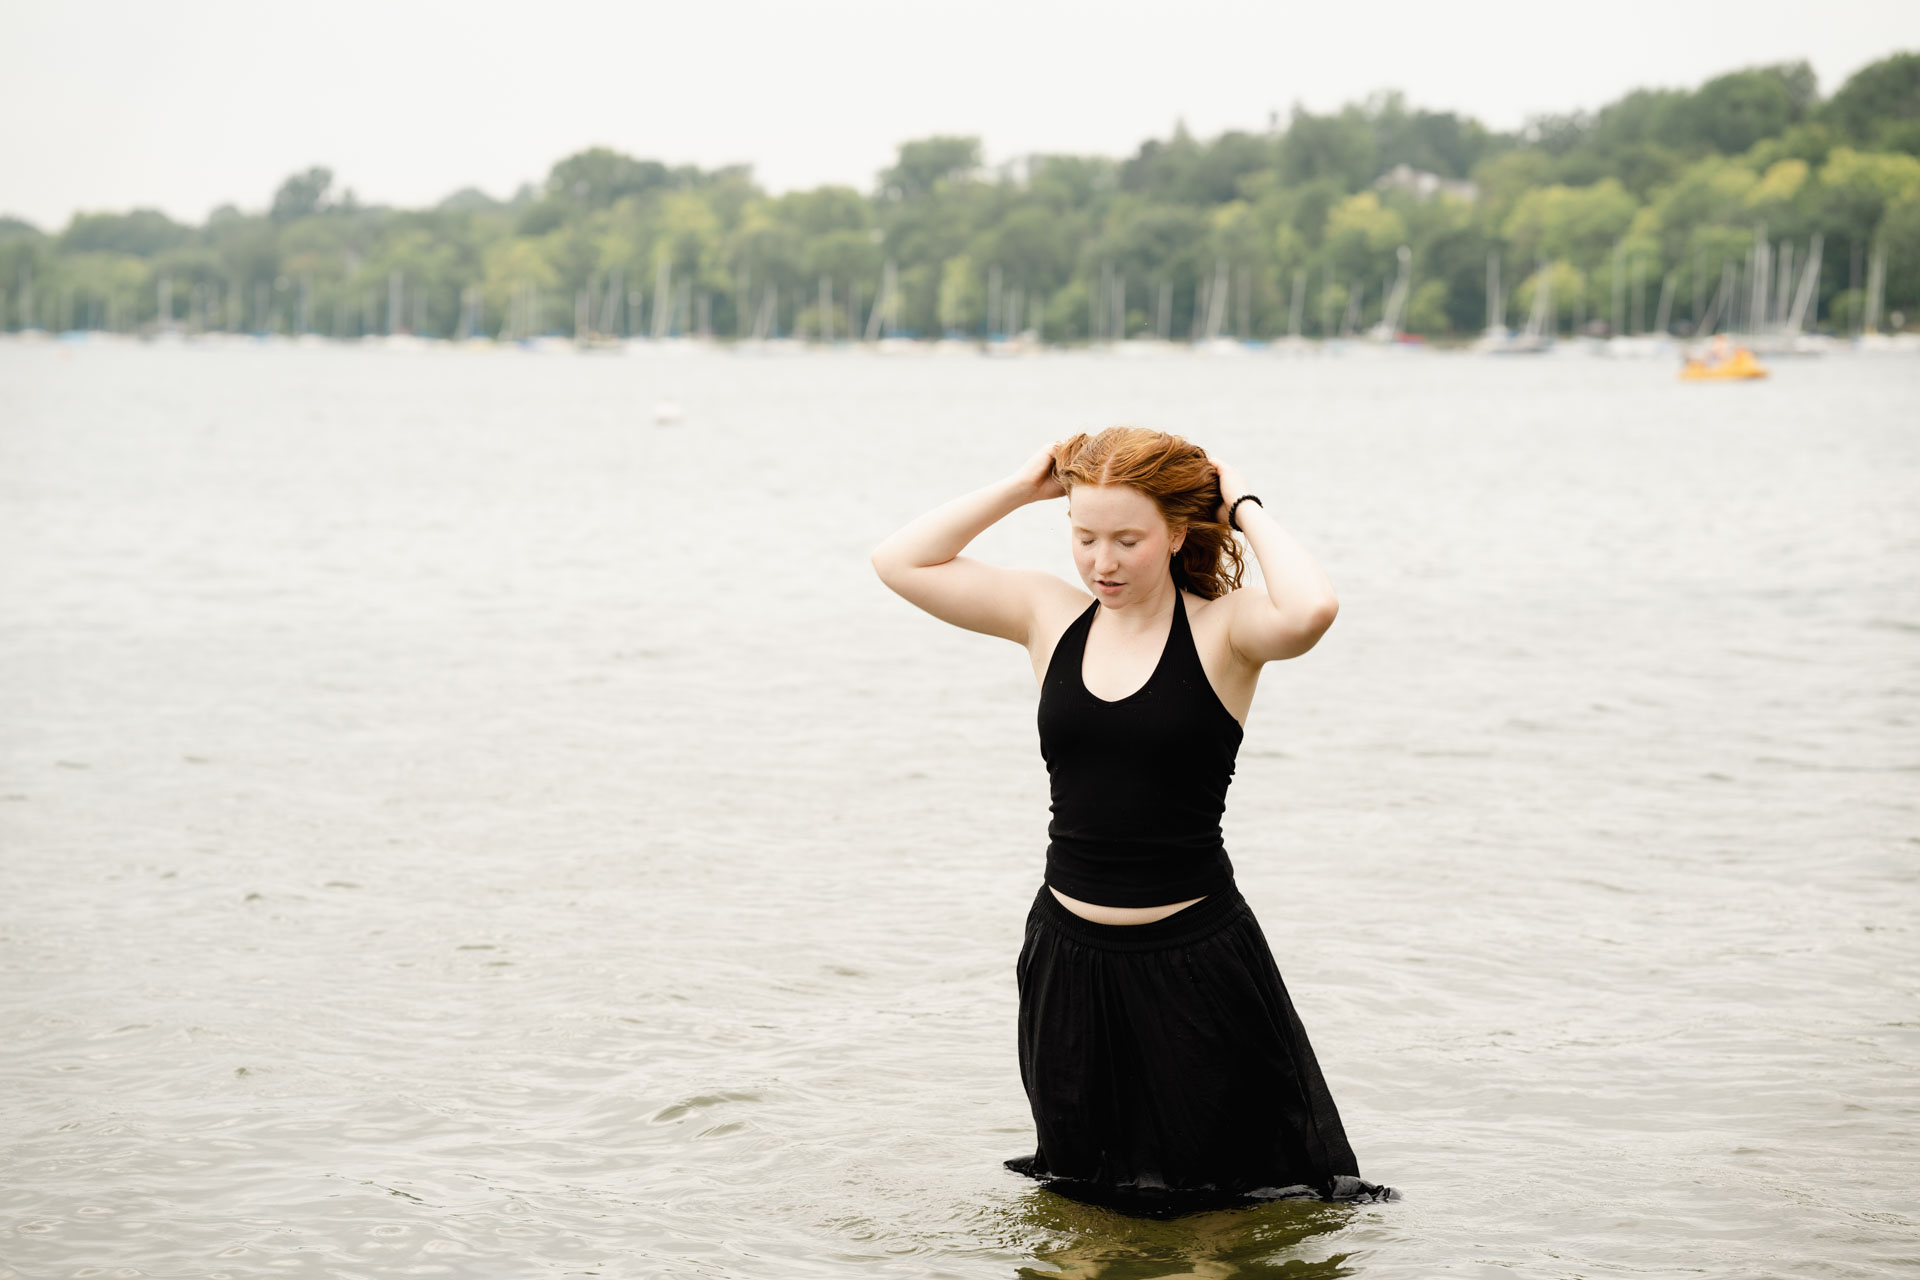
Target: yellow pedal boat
{"type": "Point", "coordinates": [1722, 365]}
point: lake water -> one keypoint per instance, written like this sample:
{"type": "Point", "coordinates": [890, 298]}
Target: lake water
{"type": "Point", "coordinates": [453, 826]}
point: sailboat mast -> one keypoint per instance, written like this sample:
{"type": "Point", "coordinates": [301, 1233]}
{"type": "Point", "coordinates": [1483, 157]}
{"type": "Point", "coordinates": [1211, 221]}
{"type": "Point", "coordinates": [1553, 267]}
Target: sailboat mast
{"type": "Point", "coordinates": [1495, 321]}
{"type": "Point", "coordinates": [1217, 301]}
{"type": "Point", "coordinates": [1799, 317]}
{"type": "Point", "coordinates": [662, 298]}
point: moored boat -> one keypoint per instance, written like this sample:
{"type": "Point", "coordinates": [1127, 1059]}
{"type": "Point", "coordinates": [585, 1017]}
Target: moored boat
{"type": "Point", "coordinates": [1723, 362]}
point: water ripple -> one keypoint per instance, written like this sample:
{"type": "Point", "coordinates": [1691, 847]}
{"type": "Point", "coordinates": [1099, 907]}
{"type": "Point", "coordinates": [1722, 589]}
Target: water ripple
{"type": "Point", "coordinates": [417, 865]}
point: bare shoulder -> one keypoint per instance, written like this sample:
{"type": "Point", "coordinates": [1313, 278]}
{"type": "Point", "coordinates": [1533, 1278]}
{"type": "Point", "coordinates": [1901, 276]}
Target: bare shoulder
{"type": "Point", "coordinates": [1057, 601]}
{"type": "Point", "coordinates": [1056, 606]}
{"type": "Point", "coordinates": [1054, 603]}
{"type": "Point", "coordinates": [1251, 631]}
{"type": "Point", "coordinates": [1210, 616]}
{"type": "Point", "coordinates": [1212, 624]}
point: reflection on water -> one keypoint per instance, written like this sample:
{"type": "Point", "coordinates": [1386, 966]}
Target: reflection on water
{"type": "Point", "coordinates": [1082, 1242]}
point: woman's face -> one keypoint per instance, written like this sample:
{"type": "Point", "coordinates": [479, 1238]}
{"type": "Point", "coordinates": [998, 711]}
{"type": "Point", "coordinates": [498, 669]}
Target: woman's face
{"type": "Point", "coordinates": [1121, 543]}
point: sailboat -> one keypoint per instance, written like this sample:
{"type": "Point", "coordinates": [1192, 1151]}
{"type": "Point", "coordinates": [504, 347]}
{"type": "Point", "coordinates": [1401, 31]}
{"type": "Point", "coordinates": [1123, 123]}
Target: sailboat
{"type": "Point", "coordinates": [596, 334]}
{"type": "Point", "coordinates": [1870, 338]}
{"type": "Point", "coordinates": [1387, 332]}
{"type": "Point", "coordinates": [1496, 334]}
{"type": "Point", "coordinates": [1211, 343]}
{"type": "Point", "coordinates": [1626, 342]}
{"type": "Point", "coordinates": [883, 322]}
{"type": "Point", "coordinates": [1156, 343]}
{"type": "Point", "coordinates": [1779, 326]}
{"type": "Point", "coordinates": [1294, 344]}
{"type": "Point", "coordinates": [1537, 337]}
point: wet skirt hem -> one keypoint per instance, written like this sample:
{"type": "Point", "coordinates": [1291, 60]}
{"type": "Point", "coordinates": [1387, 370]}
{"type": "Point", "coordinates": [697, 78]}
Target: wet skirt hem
{"type": "Point", "coordinates": [1168, 1202]}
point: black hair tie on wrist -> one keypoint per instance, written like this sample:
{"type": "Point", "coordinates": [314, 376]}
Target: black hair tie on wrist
{"type": "Point", "coordinates": [1245, 497]}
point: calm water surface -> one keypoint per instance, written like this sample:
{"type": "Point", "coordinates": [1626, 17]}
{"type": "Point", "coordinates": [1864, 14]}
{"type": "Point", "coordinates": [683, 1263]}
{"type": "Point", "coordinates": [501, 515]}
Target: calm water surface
{"type": "Point", "coordinates": [450, 825]}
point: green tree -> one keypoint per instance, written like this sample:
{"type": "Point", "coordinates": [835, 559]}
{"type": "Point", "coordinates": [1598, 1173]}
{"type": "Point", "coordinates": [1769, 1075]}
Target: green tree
{"type": "Point", "coordinates": [825, 210]}
{"type": "Point", "coordinates": [1732, 112]}
{"type": "Point", "coordinates": [1338, 147]}
{"type": "Point", "coordinates": [928, 164]}
{"type": "Point", "coordinates": [1455, 258]}
{"type": "Point", "coordinates": [1362, 236]}
{"type": "Point", "coordinates": [597, 177]}
{"type": "Point", "coordinates": [1811, 141]}
{"type": "Point", "coordinates": [1569, 287]}
{"type": "Point", "coordinates": [1900, 241]}
{"type": "Point", "coordinates": [516, 270]}
{"type": "Point", "coordinates": [1580, 224]}
{"type": "Point", "coordinates": [1783, 198]}
{"type": "Point", "coordinates": [1071, 183]}
{"type": "Point", "coordinates": [142, 233]}
{"type": "Point", "coordinates": [1034, 246]}
{"type": "Point", "coordinates": [851, 259]}
{"type": "Point", "coordinates": [120, 284]}
{"type": "Point", "coordinates": [1431, 141]}
{"type": "Point", "coordinates": [1879, 105]}
{"type": "Point", "coordinates": [1858, 186]}
{"type": "Point", "coordinates": [1658, 181]}
{"type": "Point", "coordinates": [1427, 310]}
{"type": "Point", "coordinates": [692, 239]}
{"type": "Point", "coordinates": [962, 298]}
{"type": "Point", "coordinates": [1184, 171]}
{"type": "Point", "coordinates": [302, 195]}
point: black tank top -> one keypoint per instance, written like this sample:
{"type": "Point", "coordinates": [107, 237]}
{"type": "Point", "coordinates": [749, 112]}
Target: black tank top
{"type": "Point", "coordinates": [1138, 784]}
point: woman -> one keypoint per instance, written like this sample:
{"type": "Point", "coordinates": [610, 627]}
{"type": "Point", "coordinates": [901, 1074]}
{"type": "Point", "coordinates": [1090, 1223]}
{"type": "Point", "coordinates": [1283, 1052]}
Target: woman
{"type": "Point", "coordinates": [1163, 1060]}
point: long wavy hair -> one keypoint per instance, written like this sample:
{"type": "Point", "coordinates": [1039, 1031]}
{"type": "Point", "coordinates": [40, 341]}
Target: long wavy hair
{"type": "Point", "coordinates": [1183, 485]}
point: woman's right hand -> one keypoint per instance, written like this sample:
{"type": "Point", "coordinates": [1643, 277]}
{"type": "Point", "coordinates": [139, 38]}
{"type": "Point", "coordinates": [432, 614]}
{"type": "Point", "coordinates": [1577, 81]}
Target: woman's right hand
{"type": "Point", "coordinates": [1036, 475]}
{"type": "Point", "coordinates": [921, 561]}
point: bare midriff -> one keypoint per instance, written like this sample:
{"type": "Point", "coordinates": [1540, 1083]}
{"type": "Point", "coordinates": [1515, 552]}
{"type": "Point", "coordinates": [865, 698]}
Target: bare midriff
{"type": "Point", "coordinates": [1119, 915]}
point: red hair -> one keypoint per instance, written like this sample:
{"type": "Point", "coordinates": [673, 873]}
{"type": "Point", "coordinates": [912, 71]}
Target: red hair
{"type": "Point", "coordinates": [1183, 485]}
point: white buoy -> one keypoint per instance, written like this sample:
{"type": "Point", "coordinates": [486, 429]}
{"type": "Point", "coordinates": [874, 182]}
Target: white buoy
{"type": "Point", "coordinates": [666, 412]}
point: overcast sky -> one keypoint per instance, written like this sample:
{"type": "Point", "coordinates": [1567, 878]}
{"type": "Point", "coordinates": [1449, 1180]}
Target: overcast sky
{"type": "Point", "coordinates": [112, 104]}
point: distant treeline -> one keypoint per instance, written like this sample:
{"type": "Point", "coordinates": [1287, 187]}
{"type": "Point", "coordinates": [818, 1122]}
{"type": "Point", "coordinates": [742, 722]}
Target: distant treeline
{"type": "Point", "coordinates": [1649, 208]}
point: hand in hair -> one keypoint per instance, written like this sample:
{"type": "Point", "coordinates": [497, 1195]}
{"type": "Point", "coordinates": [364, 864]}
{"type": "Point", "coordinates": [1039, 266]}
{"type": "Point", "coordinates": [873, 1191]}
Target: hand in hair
{"type": "Point", "coordinates": [1037, 474]}
{"type": "Point", "coordinates": [1232, 485]}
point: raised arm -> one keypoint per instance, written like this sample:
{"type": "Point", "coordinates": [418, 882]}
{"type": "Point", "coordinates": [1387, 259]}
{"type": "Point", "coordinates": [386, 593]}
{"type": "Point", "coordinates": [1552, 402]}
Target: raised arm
{"type": "Point", "coordinates": [922, 561]}
{"type": "Point", "coordinates": [1298, 605]}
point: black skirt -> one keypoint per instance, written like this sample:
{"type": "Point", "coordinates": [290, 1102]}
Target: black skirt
{"type": "Point", "coordinates": [1167, 1070]}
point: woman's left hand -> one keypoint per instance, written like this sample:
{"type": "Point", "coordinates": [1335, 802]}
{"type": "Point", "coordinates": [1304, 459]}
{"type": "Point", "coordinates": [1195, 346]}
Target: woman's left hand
{"type": "Point", "coordinates": [1232, 485]}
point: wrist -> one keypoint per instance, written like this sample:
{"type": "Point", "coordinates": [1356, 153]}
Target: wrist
{"type": "Point", "coordinates": [1015, 491]}
{"type": "Point", "coordinates": [1239, 506]}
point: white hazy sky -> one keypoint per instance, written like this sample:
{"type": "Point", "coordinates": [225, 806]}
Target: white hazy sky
{"type": "Point", "coordinates": [113, 104]}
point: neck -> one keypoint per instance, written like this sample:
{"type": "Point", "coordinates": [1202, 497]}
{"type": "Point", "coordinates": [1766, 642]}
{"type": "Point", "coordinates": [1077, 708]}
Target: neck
{"type": "Point", "coordinates": [1147, 610]}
